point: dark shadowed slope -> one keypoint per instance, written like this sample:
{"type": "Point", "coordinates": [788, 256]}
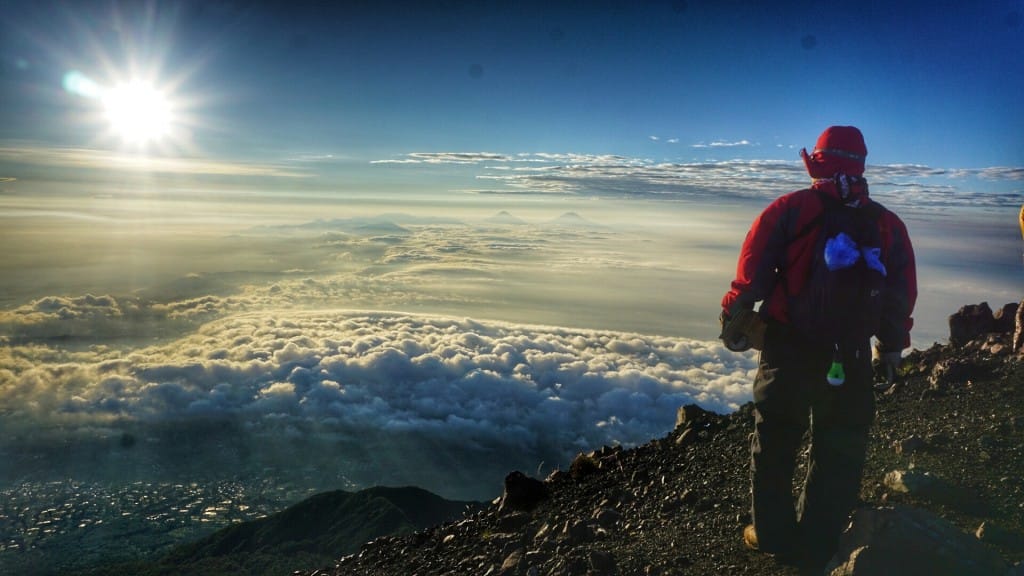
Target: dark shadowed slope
{"type": "Point", "coordinates": [312, 533]}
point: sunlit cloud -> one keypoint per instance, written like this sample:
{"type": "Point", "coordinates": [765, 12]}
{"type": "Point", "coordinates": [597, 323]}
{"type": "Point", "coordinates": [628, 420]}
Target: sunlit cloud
{"type": "Point", "coordinates": [446, 158]}
{"type": "Point", "coordinates": [513, 385]}
{"type": "Point", "coordinates": [625, 177]}
{"type": "Point", "coordinates": [992, 173]}
{"type": "Point", "coordinates": [491, 158]}
{"type": "Point", "coordinates": [87, 158]}
{"type": "Point", "coordinates": [657, 180]}
{"type": "Point", "coordinates": [721, 144]}
{"type": "Point", "coordinates": [318, 158]}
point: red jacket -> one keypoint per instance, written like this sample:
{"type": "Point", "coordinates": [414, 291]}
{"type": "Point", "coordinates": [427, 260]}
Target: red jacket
{"type": "Point", "coordinates": [768, 249]}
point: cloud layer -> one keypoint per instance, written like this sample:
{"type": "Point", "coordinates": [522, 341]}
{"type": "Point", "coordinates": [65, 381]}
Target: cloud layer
{"type": "Point", "coordinates": [904, 185]}
{"type": "Point", "coordinates": [388, 371]}
{"type": "Point", "coordinates": [490, 388]}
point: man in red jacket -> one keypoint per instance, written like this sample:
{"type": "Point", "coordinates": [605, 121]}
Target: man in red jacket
{"type": "Point", "coordinates": [791, 392]}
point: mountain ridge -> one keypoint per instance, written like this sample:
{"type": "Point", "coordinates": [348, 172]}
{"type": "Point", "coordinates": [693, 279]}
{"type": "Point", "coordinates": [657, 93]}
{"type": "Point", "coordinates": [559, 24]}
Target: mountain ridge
{"type": "Point", "coordinates": [312, 532]}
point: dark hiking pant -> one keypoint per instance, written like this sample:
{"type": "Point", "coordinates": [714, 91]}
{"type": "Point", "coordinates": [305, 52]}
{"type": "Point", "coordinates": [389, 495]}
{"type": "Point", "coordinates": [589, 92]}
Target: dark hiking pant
{"type": "Point", "coordinates": [791, 395]}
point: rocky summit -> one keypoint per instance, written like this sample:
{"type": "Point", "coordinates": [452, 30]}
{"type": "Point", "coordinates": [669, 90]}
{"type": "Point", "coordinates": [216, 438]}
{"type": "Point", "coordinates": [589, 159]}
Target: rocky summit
{"type": "Point", "coordinates": [942, 493]}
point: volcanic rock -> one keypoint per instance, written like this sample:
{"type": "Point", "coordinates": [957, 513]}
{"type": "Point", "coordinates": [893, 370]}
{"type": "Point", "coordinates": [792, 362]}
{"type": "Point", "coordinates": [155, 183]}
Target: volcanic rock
{"type": "Point", "coordinates": [910, 542]}
{"type": "Point", "coordinates": [689, 415]}
{"type": "Point", "coordinates": [1003, 319]}
{"type": "Point", "coordinates": [970, 322]}
{"type": "Point", "coordinates": [522, 492]}
{"type": "Point", "coordinates": [911, 444]}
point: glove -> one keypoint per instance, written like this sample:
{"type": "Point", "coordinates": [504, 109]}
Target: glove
{"type": "Point", "coordinates": [742, 332]}
{"type": "Point", "coordinates": [886, 366]}
{"type": "Point", "coordinates": [730, 337]}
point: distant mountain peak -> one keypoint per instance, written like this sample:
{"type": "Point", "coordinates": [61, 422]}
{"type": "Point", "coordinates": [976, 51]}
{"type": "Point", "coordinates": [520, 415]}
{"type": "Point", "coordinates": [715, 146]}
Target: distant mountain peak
{"type": "Point", "coordinates": [324, 527]}
{"type": "Point", "coordinates": [381, 227]}
{"type": "Point", "coordinates": [574, 220]}
{"type": "Point", "coordinates": [505, 217]}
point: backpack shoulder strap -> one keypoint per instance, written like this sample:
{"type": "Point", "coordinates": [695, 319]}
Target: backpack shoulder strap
{"type": "Point", "coordinates": [873, 210]}
{"type": "Point", "coordinates": [827, 203]}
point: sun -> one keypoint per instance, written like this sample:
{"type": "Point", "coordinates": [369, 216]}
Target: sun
{"type": "Point", "coordinates": [138, 112]}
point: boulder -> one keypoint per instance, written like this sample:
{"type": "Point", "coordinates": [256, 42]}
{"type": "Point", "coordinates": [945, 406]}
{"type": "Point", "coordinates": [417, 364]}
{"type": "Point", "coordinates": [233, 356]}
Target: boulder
{"type": "Point", "coordinates": [689, 414]}
{"type": "Point", "coordinates": [576, 532]}
{"type": "Point", "coordinates": [911, 444]}
{"type": "Point", "coordinates": [511, 564]}
{"type": "Point", "coordinates": [970, 322]}
{"type": "Point", "coordinates": [607, 517]}
{"type": "Point", "coordinates": [910, 542]}
{"type": "Point", "coordinates": [916, 483]}
{"type": "Point", "coordinates": [602, 563]}
{"type": "Point", "coordinates": [926, 486]}
{"type": "Point", "coordinates": [583, 465]}
{"type": "Point", "coordinates": [522, 492]}
{"type": "Point", "coordinates": [950, 371]}
{"type": "Point", "coordinates": [1003, 319]}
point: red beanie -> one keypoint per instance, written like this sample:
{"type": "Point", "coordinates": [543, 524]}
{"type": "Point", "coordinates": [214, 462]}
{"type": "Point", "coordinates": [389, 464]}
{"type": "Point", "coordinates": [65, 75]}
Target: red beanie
{"type": "Point", "coordinates": [838, 149]}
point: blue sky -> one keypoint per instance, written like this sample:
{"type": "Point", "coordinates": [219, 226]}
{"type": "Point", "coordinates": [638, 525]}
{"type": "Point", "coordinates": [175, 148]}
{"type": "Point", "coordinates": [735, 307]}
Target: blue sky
{"type": "Point", "coordinates": [935, 84]}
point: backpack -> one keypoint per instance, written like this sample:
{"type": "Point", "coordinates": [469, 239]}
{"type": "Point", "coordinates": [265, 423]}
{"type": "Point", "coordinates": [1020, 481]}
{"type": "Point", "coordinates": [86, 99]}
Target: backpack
{"type": "Point", "coordinates": [840, 304]}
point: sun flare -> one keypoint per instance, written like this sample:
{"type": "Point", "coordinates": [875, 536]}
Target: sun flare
{"type": "Point", "coordinates": [138, 112]}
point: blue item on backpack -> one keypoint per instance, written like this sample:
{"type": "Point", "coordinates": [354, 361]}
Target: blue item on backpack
{"type": "Point", "coordinates": [841, 252]}
{"type": "Point", "coordinates": [873, 258]}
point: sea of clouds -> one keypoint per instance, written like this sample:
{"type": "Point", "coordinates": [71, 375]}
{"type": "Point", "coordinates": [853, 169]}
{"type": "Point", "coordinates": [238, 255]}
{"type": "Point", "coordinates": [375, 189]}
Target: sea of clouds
{"type": "Point", "coordinates": [502, 393]}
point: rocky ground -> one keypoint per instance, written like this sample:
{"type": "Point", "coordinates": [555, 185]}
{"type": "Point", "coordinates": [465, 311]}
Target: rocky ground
{"type": "Point", "coordinates": [677, 505]}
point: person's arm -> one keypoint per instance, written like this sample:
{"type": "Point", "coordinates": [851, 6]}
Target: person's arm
{"type": "Point", "coordinates": [760, 259]}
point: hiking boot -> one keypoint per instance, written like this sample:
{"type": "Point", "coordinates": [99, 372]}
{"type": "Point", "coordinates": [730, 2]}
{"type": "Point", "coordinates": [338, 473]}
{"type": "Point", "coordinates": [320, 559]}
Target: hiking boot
{"type": "Point", "coordinates": [788, 558]}
{"type": "Point", "coordinates": [750, 538]}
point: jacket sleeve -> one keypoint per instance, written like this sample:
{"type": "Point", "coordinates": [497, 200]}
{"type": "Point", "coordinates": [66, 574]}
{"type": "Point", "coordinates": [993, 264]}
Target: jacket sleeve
{"type": "Point", "coordinates": [900, 285]}
{"type": "Point", "coordinates": [760, 258]}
